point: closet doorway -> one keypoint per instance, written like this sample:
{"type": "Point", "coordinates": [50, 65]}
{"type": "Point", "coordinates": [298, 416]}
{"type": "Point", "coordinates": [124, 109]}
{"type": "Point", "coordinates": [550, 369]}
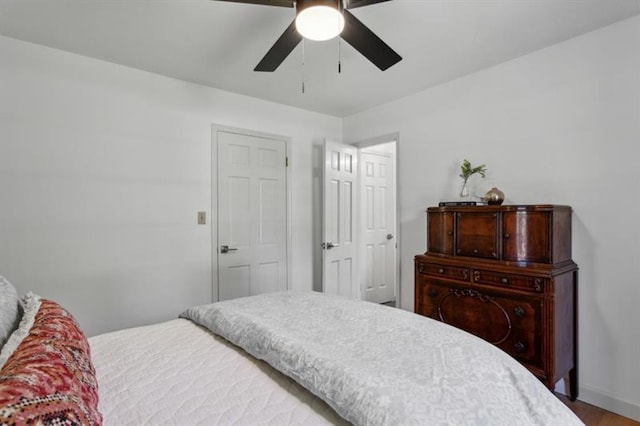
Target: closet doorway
{"type": "Point", "coordinates": [359, 231]}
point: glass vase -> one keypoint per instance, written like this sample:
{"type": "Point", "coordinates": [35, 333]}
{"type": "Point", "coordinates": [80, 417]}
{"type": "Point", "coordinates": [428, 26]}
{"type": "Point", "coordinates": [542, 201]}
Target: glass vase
{"type": "Point", "coordinates": [464, 190]}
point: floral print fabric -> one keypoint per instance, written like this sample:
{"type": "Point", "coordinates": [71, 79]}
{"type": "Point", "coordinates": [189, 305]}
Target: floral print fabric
{"type": "Point", "coordinates": [50, 378]}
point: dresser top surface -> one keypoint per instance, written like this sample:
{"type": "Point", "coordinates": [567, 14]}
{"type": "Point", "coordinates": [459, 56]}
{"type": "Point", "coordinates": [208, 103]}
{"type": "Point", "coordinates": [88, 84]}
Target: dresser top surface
{"type": "Point", "coordinates": [501, 208]}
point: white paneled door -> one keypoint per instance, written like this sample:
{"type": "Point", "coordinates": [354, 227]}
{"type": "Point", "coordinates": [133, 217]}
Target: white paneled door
{"type": "Point", "coordinates": [378, 223]}
{"type": "Point", "coordinates": [339, 220]}
{"type": "Point", "coordinates": [252, 215]}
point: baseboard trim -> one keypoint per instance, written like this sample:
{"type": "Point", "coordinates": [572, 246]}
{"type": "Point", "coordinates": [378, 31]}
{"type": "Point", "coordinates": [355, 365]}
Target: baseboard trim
{"type": "Point", "coordinates": [609, 403]}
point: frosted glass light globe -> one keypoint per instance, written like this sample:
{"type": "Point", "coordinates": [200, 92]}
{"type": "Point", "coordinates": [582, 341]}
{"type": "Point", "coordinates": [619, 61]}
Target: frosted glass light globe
{"type": "Point", "coordinates": [319, 23]}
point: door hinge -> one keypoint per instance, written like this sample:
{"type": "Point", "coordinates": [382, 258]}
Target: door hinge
{"type": "Point", "coordinates": [286, 161]}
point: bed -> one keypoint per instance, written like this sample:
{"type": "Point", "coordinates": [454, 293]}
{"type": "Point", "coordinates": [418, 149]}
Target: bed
{"type": "Point", "coordinates": [288, 358]}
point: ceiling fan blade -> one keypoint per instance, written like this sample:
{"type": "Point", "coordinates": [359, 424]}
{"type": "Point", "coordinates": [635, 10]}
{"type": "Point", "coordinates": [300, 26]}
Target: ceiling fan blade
{"type": "Point", "coordinates": [352, 4]}
{"type": "Point", "coordinates": [280, 49]}
{"type": "Point", "coordinates": [367, 43]}
{"type": "Point", "coordinates": [283, 3]}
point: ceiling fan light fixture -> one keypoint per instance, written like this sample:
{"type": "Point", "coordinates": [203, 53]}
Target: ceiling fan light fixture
{"type": "Point", "coordinates": [319, 22]}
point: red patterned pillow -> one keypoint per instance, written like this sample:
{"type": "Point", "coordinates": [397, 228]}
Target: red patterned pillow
{"type": "Point", "coordinates": [50, 378]}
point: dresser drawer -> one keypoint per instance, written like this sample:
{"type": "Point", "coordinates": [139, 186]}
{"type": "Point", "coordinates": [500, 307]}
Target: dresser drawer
{"type": "Point", "coordinates": [524, 346]}
{"type": "Point", "coordinates": [524, 282]}
{"type": "Point", "coordinates": [524, 340]}
{"type": "Point", "coordinates": [443, 271]}
{"type": "Point", "coordinates": [511, 322]}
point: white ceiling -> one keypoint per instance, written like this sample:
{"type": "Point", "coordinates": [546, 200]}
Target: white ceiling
{"type": "Point", "coordinates": [218, 43]}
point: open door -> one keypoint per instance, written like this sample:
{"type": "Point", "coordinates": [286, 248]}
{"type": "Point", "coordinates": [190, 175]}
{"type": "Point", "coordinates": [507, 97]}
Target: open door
{"type": "Point", "coordinates": [378, 248]}
{"type": "Point", "coordinates": [339, 248]}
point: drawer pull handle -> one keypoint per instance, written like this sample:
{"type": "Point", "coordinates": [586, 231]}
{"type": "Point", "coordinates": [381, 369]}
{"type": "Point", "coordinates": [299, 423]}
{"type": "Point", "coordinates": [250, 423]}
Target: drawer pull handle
{"type": "Point", "coordinates": [475, 251]}
{"type": "Point", "coordinates": [519, 347]}
{"type": "Point", "coordinates": [504, 280]}
{"type": "Point", "coordinates": [441, 270]}
{"type": "Point", "coordinates": [537, 284]}
{"type": "Point", "coordinates": [449, 233]}
{"type": "Point", "coordinates": [519, 311]}
{"type": "Point", "coordinates": [507, 236]}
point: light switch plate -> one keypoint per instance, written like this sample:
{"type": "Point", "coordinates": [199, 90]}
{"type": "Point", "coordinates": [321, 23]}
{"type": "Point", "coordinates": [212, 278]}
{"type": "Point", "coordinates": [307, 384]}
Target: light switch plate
{"type": "Point", "coordinates": [202, 218]}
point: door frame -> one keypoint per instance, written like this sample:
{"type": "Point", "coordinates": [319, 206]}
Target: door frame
{"type": "Point", "coordinates": [213, 217]}
{"type": "Point", "coordinates": [367, 143]}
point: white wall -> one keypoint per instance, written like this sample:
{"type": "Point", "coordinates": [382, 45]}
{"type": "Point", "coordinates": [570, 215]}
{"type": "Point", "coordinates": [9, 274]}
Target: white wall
{"type": "Point", "coordinates": [561, 125]}
{"type": "Point", "coordinates": [102, 171]}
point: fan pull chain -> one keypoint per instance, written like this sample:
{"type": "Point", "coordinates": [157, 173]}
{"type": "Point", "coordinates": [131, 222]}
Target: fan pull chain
{"type": "Point", "coordinates": [341, 10]}
{"type": "Point", "coordinates": [302, 65]}
{"type": "Point", "coordinates": [339, 56]}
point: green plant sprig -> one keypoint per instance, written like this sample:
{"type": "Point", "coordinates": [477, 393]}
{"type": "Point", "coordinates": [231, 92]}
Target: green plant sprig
{"type": "Point", "coordinates": [468, 170]}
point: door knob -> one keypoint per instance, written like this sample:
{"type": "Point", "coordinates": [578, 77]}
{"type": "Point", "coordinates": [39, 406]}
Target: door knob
{"type": "Point", "coordinates": [389, 236]}
{"type": "Point", "coordinates": [329, 245]}
{"type": "Point", "coordinates": [226, 249]}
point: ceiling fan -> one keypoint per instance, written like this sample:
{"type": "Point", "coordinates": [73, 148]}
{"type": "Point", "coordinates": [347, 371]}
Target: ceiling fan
{"type": "Point", "coordinates": [322, 20]}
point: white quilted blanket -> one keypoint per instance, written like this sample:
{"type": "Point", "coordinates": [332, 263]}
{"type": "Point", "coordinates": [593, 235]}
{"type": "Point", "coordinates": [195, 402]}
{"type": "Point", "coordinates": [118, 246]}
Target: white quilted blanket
{"type": "Point", "coordinates": [178, 373]}
{"type": "Point", "coordinates": [382, 366]}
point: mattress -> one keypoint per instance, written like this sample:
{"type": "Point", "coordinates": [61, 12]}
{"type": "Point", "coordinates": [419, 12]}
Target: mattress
{"type": "Point", "coordinates": [178, 373]}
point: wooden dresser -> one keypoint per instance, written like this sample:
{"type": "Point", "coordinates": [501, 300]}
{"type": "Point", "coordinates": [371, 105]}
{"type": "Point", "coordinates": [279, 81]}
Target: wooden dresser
{"type": "Point", "coordinates": [504, 273]}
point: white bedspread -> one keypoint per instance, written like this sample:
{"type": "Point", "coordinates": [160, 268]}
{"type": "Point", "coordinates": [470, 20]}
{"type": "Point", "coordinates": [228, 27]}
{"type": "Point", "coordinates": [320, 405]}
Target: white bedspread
{"type": "Point", "coordinates": [377, 365]}
{"type": "Point", "coordinates": [177, 373]}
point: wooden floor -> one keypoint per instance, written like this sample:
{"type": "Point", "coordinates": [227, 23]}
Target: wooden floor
{"type": "Point", "coordinates": [594, 416]}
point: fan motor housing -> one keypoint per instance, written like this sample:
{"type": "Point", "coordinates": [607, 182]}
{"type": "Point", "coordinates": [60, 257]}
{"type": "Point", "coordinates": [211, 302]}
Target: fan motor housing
{"type": "Point", "coordinates": [304, 4]}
